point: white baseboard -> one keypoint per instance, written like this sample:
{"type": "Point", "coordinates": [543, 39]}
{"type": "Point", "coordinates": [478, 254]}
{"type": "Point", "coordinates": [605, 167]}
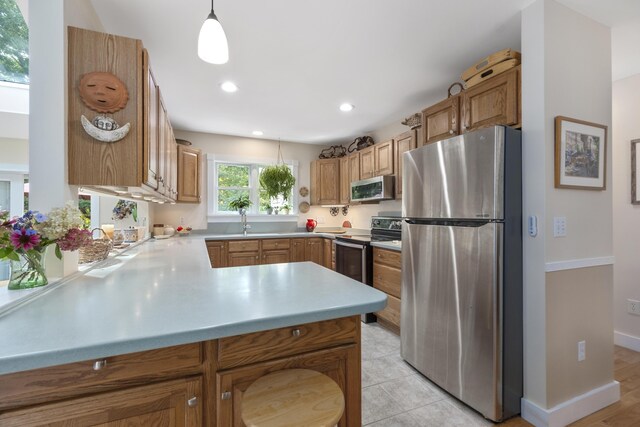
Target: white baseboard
{"type": "Point", "coordinates": [578, 263]}
{"type": "Point", "coordinates": [573, 409]}
{"type": "Point", "coordinates": [627, 341]}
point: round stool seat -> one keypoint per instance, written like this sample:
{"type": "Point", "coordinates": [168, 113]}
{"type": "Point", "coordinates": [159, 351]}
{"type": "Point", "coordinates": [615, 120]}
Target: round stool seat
{"type": "Point", "coordinates": [293, 397]}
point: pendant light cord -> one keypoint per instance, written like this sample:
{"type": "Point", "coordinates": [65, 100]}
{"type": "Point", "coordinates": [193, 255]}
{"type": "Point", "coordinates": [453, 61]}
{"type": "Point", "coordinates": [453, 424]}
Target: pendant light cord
{"type": "Point", "coordinates": [280, 157]}
{"type": "Point", "coordinates": [211, 5]}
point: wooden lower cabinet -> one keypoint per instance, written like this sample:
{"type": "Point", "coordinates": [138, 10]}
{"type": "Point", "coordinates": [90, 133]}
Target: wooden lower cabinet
{"type": "Point", "coordinates": [387, 277]}
{"type": "Point", "coordinates": [336, 363]}
{"type": "Point", "coordinates": [314, 250]}
{"type": "Point", "coordinates": [298, 247]}
{"type": "Point", "coordinates": [176, 403]}
{"type": "Point", "coordinates": [242, 259]}
{"type": "Point", "coordinates": [199, 384]}
{"type": "Point", "coordinates": [217, 253]}
{"type": "Point", "coordinates": [276, 256]}
{"type": "Point", "coordinates": [327, 258]}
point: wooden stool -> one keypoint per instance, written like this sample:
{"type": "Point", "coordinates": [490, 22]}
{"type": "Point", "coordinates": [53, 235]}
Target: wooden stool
{"type": "Point", "coordinates": [292, 397]}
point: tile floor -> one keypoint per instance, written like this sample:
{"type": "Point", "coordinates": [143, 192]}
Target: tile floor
{"type": "Point", "coordinates": [396, 395]}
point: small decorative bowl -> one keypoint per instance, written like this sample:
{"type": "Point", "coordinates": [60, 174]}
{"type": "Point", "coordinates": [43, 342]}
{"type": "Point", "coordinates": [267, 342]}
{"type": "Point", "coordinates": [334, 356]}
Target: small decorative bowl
{"type": "Point", "coordinates": [183, 233]}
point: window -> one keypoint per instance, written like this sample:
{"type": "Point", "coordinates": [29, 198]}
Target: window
{"type": "Point", "coordinates": [14, 44]}
{"type": "Point", "coordinates": [232, 179]}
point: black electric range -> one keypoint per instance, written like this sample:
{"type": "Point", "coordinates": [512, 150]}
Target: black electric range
{"type": "Point", "coordinates": [354, 254]}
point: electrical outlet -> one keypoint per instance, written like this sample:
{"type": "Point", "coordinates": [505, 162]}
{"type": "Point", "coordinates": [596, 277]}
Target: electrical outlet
{"type": "Point", "coordinates": [559, 226]}
{"type": "Point", "coordinates": [633, 307]}
{"type": "Point", "coordinates": [582, 350]}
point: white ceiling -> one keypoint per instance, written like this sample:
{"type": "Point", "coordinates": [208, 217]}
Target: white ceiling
{"type": "Point", "coordinates": [296, 61]}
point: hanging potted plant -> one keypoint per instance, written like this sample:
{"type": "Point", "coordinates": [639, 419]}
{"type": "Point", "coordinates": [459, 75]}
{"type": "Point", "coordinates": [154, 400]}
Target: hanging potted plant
{"type": "Point", "coordinates": [240, 203]}
{"type": "Point", "coordinates": [277, 180]}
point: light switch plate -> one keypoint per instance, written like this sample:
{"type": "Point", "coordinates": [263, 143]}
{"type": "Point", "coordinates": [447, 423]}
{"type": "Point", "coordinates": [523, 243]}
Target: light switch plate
{"type": "Point", "coordinates": [559, 226]}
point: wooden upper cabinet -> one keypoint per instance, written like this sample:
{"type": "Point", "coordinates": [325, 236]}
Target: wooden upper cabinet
{"type": "Point", "coordinates": [345, 181]}
{"type": "Point", "coordinates": [354, 169]}
{"type": "Point", "coordinates": [367, 163]}
{"type": "Point", "coordinates": [383, 158]}
{"type": "Point", "coordinates": [493, 102]}
{"type": "Point", "coordinates": [325, 182]}
{"type": "Point", "coordinates": [176, 403]}
{"type": "Point", "coordinates": [93, 162]}
{"type": "Point", "coordinates": [188, 174]}
{"type": "Point", "coordinates": [404, 142]}
{"type": "Point", "coordinates": [441, 121]}
{"type": "Point", "coordinates": [151, 105]}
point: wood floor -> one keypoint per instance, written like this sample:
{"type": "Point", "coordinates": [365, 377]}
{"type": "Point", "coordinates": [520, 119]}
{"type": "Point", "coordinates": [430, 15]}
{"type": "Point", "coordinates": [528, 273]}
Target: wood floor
{"type": "Point", "coordinates": [624, 413]}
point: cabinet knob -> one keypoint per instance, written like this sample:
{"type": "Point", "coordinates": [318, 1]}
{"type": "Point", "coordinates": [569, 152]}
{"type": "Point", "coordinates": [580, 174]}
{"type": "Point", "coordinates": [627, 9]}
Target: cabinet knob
{"type": "Point", "coordinates": [256, 256]}
{"type": "Point", "coordinates": [451, 131]}
{"type": "Point", "coordinates": [99, 364]}
{"type": "Point", "coordinates": [192, 402]}
{"type": "Point", "coordinates": [295, 332]}
{"type": "Point", "coordinates": [226, 395]}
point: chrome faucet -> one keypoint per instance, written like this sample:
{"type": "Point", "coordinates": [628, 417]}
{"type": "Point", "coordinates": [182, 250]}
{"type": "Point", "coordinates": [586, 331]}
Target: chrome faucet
{"type": "Point", "coordinates": [245, 226]}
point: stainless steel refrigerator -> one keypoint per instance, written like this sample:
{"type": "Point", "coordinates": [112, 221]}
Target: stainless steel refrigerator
{"type": "Point", "coordinates": [461, 316]}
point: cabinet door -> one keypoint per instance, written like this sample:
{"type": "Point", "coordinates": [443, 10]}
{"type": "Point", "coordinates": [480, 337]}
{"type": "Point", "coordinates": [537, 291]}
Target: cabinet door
{"type": "Point", "coordinates": [173, 404]}
{"type": "Point", "coordinates": [494, 102]}
{"type": "Point", "coordinates": [298, 250]}
{"type": "Point", "coordinates": [367, 163]}
{"type": "Point", "coordinates": [217, 254]}
{"type": "Point", "coordinates": [326, 257]}
{"type": "Point", "coordinates": [383, 158]}
{"type": "Point", "coordinates": [341, 364]}
{"type": "Point", "coordinates": [162, 146]}
{"type": "Point", "coordinates": [325, 182]}
{"type": "Point", "coordinates": [276, 256]}
{"type": "Point", "coordinates": [345, 182]}
{"type": "Point", "coordinates": [188, 174]}
{"type": "Point", "coordinates": [441, 121]}
{"type": "Point", "coordinates": [404, 143]}
{"type": "Point", "coordinates": [313, 250]}
{"type": "Point", "coordinates": [241, 259]}
{"type": "Point", "coordinates": [150, 139]}
{"type": "Point", "coordinates": [354, 168]}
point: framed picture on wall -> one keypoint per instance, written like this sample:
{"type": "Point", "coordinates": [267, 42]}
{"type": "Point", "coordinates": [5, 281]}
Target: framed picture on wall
{"type": "Point", "coordinates": [635, 178]}
{"type": "Point", "coordinates": [581, 154]}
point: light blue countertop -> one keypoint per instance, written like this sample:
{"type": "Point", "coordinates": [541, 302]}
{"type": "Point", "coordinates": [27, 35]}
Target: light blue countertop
{"type": "Point", "coordinates": [165, 293]}
{"type": "Point", "coordinates": [388, 245]}
{"type": "Point", "coordinates": [291, 235]}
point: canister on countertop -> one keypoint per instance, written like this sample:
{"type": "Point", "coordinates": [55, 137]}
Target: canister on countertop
{"type": "Point", "coordinates": [158, 229]}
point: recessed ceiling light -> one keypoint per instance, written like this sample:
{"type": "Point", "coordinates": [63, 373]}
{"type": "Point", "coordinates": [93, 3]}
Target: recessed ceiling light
{"type": "Point", "coordinates": [346, 107]}
{"type": "Point", "coordinates": [257, 133]}
{"type": "Point", "coordinates": [229, 87]}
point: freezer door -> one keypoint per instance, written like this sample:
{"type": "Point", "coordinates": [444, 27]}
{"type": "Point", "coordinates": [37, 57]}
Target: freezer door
{"type": "Point", "coordinates": [450, 314]}
{"type": "Point", "coordinates": [460, 177]}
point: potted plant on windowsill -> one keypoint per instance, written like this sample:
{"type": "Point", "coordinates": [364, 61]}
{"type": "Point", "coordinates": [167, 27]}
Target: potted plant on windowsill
{"type": "Point", "coordinates": [240, 203]}
{"type": "Point", "coordinates": [267, 207]}
{"type": "Point", "coordinates": [285, 209]}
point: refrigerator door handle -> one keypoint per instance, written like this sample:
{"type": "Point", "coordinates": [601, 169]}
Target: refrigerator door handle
{"type": "Point", "coordinates": [451, 222]}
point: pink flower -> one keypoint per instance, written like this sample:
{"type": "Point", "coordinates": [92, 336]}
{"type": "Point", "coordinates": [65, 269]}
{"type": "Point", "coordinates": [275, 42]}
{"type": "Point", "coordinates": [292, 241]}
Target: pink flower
{"type": "Point", "coordinates": [75, 239]}
{"type": "Point", "coordinates": [24, 239]}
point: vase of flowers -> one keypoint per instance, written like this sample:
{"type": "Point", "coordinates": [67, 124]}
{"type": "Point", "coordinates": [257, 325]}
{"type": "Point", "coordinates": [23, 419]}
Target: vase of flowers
{"type": "Point", "coordinates": [24, 240]}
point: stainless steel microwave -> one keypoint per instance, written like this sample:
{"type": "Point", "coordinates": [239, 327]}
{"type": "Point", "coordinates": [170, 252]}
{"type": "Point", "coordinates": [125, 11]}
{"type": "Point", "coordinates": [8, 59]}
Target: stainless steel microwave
{"type": "Point", "coordinates": [372, 189]}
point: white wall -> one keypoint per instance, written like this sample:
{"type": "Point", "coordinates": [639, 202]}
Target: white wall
{"type": "Point", "coordinates": [566, 71]}
{"type": "Point", "coordinates": [626, 230]}
{"type": "Point", "coordinates": [15, 154]}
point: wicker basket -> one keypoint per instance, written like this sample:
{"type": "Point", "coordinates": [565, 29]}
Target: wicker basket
{"type": "Point", "coordinates": [97, 250]}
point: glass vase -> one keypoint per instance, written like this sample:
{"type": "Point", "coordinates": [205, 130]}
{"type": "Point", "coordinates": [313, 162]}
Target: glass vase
{"type": "Point", "coordinates": [28, 272]}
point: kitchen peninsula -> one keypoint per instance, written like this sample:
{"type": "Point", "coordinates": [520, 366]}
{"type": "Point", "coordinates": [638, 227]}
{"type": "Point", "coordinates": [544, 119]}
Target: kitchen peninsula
{"type": "Point", "coordinates": [157, 333]}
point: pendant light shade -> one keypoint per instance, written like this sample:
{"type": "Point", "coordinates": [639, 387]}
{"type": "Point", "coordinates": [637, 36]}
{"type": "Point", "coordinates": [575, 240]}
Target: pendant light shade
{"type": "Point", "coordinates": [212, 42]}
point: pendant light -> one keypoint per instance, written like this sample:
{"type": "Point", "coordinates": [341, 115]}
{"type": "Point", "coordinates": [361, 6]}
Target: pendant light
{"type": "Point", "coordinates": [212, 42]}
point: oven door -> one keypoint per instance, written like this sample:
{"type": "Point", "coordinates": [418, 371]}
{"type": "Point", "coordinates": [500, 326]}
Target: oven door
{"type": "Point", "coordinates": [351, 260]}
